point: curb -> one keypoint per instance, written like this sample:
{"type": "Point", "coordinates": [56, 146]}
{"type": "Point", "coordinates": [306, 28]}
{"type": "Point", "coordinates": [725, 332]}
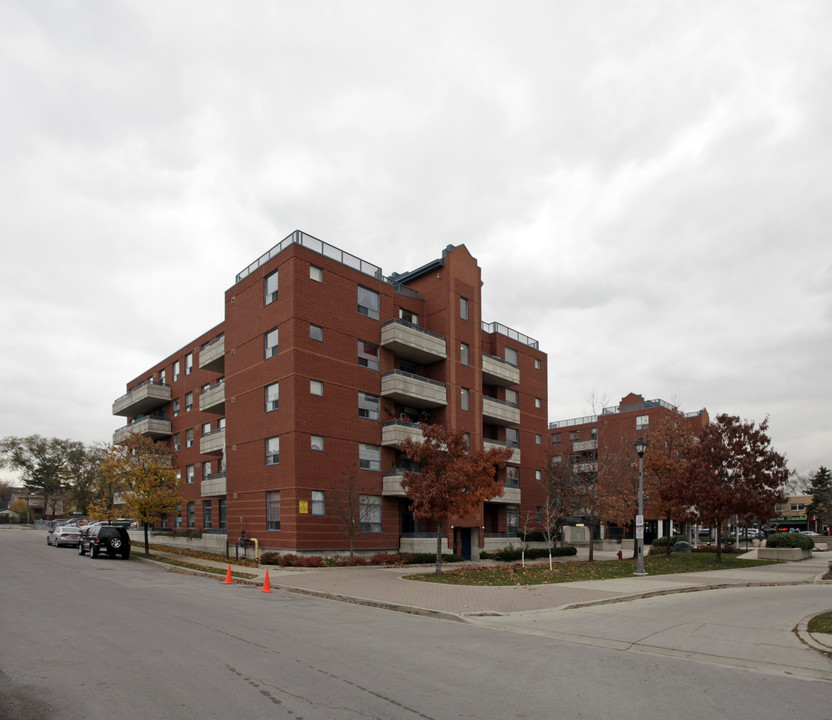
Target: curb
{"type": "Point", "coordinates": [821, 642]}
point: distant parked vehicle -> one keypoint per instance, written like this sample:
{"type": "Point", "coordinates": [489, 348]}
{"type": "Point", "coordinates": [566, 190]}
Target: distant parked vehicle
{"type": "Point", "coordinates": [63, 535]}
{"type": "Point", "coordinates": [110, 539]}
{"type": "Point", "coordinates": [810, 533]}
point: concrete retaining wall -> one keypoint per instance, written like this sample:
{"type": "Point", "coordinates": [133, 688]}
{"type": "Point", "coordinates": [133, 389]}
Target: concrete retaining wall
{"type": "Point", "coordinates": [786, 554]}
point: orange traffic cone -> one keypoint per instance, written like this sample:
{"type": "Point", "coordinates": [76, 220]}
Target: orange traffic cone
{"type": "Point", "coordinates": [266, 585]}
{"type": "Point", "coordinates": [228, 580]}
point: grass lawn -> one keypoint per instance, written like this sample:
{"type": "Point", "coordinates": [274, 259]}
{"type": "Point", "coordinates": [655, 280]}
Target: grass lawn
{"type": "Point", "coordinates": [539, 574]}
{"type": "Point", "coordinates": [194, 566]}
{"type": "Point", "coordinates": [821, 623]}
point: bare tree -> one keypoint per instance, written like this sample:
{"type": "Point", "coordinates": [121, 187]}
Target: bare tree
{"type": "Point", "coordinates": [347, 504]}
{"type": "Point", "coordinates": [559, 499]}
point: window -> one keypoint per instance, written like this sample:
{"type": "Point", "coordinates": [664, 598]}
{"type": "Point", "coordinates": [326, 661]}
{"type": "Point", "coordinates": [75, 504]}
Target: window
{"type": "Point", "coordinates": [556, 460]}
{"type": "Point", "coordinates": [538, 403]}
{"type": "Point", "coordinates": [316, 273]}
{"type": "Point", "coordinates": [272, 396]}
{"type": "Point", "coordinates": [537, 363]}
{"type": "Point", "coordinates": [467, 437]}
{"type": "Point", "coordinates": [463, 308]}
{"type": "Point", "coordinates": [368, 355]}
{"type": "Point", "coordinates": [370, 510]}
{"type": "Point", "coordinates": [316, 387]}
{"type": "Point", "coordinates": [511, 356]}
{"type": "Point", "coordinates": [368, 302]}
{"type": "Point", "coordinates": [798, 506]}
{"type": "Point", "coordinates": [642, 421]}
{"type": "Point", "coordinates": [512, 398]}
{"type": "Point", "coordinates": [273, 510]}
{"type": "Point", "coordinates": [175, 371]}
{"type": "Point", "coordinates": [512, 476]}
{"type": "Point", "coordinates": [539, 513]}
{"type": "Point", "coordinates": [207, 514]}
{"type": "Point", "coordinates": [369, 457]}
{"type": "Point", "coordinates": [176, 442]}
{"type": "Point", "coordinates": [206, 429]}
{"type": "Point", "coordinates": [161, 377]}
{"type": "Point", "coordinates": [189, 363]}
{"type": "Point", "coordinates": [190, 515]}
{"type": "Point", "coordinates": [512, 519]}
{"type": "Point", "coordinates": [574, 436]}
{"type": "Point", "coordinates": [221, 424]}
{"type": "Point", "coordinates": [538, 475]}
{"type": "Point", "coordinates": [318, 507]}
{"type": "Point", "coordinates": [463, 353]}
{"type": "Point", "coordinates": [189, 401]}
{"type": "Point", "coordinates": [369, 406]}
{"type": "Point", "coordinates": [317, 443]}
{"type": "Point", "coordinates": [465, 398]}
{"type": "Point", "coordinates": [206, 470]}
{"type": "Point", "coordinates": [538, 439]}
{"type": "Point", "coordinates": [176, 407]}
{"type": "Point", "coordinates": [593, 433]}
{"type": "Point", "coordinates": [178, 475]}
{"type": "Point", "coordinates": [556, 439]}
{"type": "Point", "coordinates": [177, 521]}
{"type": "Point", "coordinates": [513, 437]}
{"type": "Point", "coordinates": [270, 283]}
{"type": "Point", "coordinates": [223, 514]}
{"type": "Point", "coordinates": [272, 450]}
{"type": "Point", "coordinates": [271, 343]}
{"type": "Point", "coordinates": [316, 332]}
{"type": "Point", "coordinates": [189, 438]}
{"type": "Point", "coordinates": [189, 474]}
{"type": "Point", "coordinates": [408, 316]}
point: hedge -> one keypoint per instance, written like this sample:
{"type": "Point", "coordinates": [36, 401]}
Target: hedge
{"type": "Point", "coordinates": [512, 554]}
{"type": "Point", "coordinates": [790, 540]}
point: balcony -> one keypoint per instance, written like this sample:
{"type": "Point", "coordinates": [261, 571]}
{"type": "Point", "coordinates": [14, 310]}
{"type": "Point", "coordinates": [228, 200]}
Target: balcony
{"type": "Point", "coordinates": [584, 445]}
{"type": "Point", "coordinates": [395, 431]}
{"type": "Point", "coordinates": [413, 390]}
{"type": "Point", "coordinates": [212, 356]}
{"type": "Point", "coordinates": [412, 342]}
{"type": "Point", "coordinates": [514, 459]}
{"type": "Point", "coordinates": [392, 484]}
{"type": "Point", "coordinates": [151, 426]}
{"type": "Point", "coordinates": [214, 485]}
{"type": "Point", "coordinates": [496, 371]}
{"type": "Point", "coordinates": [142, 399]}
{"type": "Point", "coordinates": [213, 443]}
{"type": "Point", "coordinates": [213, 399]}
{"type": "Point", "coordinates": [511, 496]}
{"type": "Point", "coordinates": [500, 412]}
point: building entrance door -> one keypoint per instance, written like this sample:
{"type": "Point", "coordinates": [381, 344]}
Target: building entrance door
{"type": "Point", "coordinates": [465, 543]}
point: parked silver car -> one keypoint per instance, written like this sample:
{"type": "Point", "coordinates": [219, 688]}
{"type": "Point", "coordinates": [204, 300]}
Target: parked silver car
{"type": "Point", "coordinates": [64, 535]}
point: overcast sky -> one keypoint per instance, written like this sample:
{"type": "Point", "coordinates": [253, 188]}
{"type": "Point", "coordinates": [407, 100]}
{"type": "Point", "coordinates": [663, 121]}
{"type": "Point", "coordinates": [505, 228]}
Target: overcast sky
{"type": "Point", "coordinates": [646, 186]}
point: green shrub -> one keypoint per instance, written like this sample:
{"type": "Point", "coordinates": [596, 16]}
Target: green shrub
{"type": "Point", "coordinates": [533, 536]}
{"type": "Point", "coordinates": [428, 558]}
{"type": "Point", "coordinates": [663, 542]}
{"type": "Point", "coordinates": [513, 554]}
{"type": "Point", "coordinates": [790, 540]}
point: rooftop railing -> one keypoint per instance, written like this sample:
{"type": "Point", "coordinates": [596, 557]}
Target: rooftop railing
{"type": "Point", "coordinates": [496, 327]}
{"type": "Point", "coordinates": [298, 237]}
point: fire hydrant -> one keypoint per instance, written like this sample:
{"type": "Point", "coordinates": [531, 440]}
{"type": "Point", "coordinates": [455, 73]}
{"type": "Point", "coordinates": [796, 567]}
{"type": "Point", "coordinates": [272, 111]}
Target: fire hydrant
{"type": "Point", "coordinates": [620, 555]}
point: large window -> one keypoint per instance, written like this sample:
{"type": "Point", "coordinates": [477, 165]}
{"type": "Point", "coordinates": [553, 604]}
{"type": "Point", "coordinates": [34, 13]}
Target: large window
{"type": "Point", "coordinates": [191, 522]}
{"type": "Point", "coordinates": [318, 507]}
{"type": "Point", "coordinates": [223, 514]}
{"type": "Point", "coordinates": [177, 521]}
{"type": "Point", "coordinates": [465, 398]}
{"type": "Point", "coordinates": [463, 308]}
{"type": "Point", "coordinates": [273, 510]}
{"type": "Point", "coordinates": [463, 353]}
{"type": "Point", "coordinates": [512, 476]}
{"type": "Point", "coordinates": [513, 437]}
{"type": "Point", "coordinates": [176, 442]}
{"type": "Point", "coordinates": [175, 370]}
{"type": "Point", "coordinates": [272, 450]}
{"type": "Point", "coordinates": [512, 398]}
{"type": "Point", "coordinates": [189, 363]}
{"type": "Point", "coordinates": [368, 302]}
{"type": "Point", "coordinates": [207, 514]}
{"type": "Point", "coordinates": [512, 519]}
{"type": "Point", "coordinates": [189, 474]}
{"type": "Point", "coordinates": [511, 356]}
{"type": "Point", "coordinates": [369, 406]}
{"type": "Point", "coordinates": [189, 401]}
{"type": "Point", "coordinates": [556, 439]}
{"type": "Point", "coordinates": [189, 438]}
{"type": "Point", "coordinates": [176, 407]}
{"type": "Point", "coordinates": [408, 316]}
{"type": "Point", "coordinates": [642, 421]}
{"type": "Point", "coordinates": [370, 509]}
{"type": "Point", "coordinates": [369, 456]}
{"type": "Point", "coordinates": [272, 396]}
{"type": "Point", "coordinates": [271, 343]}
{"type": "Point", "coordinates": [270, 288]}
{"type": "Point", "coordinates": [368, 355]}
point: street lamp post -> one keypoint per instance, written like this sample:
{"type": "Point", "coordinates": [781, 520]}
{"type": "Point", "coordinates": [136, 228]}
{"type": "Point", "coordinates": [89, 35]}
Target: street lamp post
{"type": "Point", "coordinates": [641, 448]}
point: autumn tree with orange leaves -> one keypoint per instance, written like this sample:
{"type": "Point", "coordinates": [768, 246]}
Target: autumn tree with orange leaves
{"type": "Point", "coordinates": [454, 479]}
{"type": "Point", "coordinates": [733, 470]}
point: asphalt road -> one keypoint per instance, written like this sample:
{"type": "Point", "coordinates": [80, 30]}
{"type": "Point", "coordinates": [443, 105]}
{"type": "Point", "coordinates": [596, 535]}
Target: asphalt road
{"type": "Point", "coordinates": [95, 639]}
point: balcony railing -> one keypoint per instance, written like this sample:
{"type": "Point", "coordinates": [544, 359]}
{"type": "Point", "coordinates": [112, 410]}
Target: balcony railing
{"type": "Point", "coordinates": [413, 390]}
{"type": "Point", "coordinates": [142, 398]}
{"type": "Point", "coordinates": [213, 443]}
{"type": "Point", "coordinates": [395, 431]}
{"type": "Point", "coordinates": [500, 412]}
{"type": "Point", "coordinates": [496, 371]}
{"type": "Point", "coordinates": [213, 399]}
{"type": "Point", "coordinates": [152, 426]}
{"type": "Point", "coordinates": [413, 342]}
{"type": "Point", "coordinates": [515, 458]}
{"type": "Point", "coordinates": [496, 327]}
{"type": "Point", "coordinates": [212, 356]}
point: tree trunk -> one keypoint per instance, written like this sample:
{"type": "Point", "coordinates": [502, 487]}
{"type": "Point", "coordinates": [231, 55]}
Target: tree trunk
{"type": "Point", "coordinates": [719, 542]}
{"type": "Point", "coordinates": [439, 547]}
{"type": "Point", "coordinates": [591, 547]}
{"type": "Point", "coordinates": [146, 540]}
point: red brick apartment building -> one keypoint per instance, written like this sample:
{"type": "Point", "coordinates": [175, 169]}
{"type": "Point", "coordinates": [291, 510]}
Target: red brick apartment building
{"type": "Point", "coordinates": [320, 367]}
{"type": "Point", "coordinates": [580, 441]}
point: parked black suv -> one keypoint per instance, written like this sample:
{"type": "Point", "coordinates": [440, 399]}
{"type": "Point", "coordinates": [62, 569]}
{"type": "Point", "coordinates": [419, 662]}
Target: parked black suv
{"type": "Point", "coordinates": [110, 539]}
